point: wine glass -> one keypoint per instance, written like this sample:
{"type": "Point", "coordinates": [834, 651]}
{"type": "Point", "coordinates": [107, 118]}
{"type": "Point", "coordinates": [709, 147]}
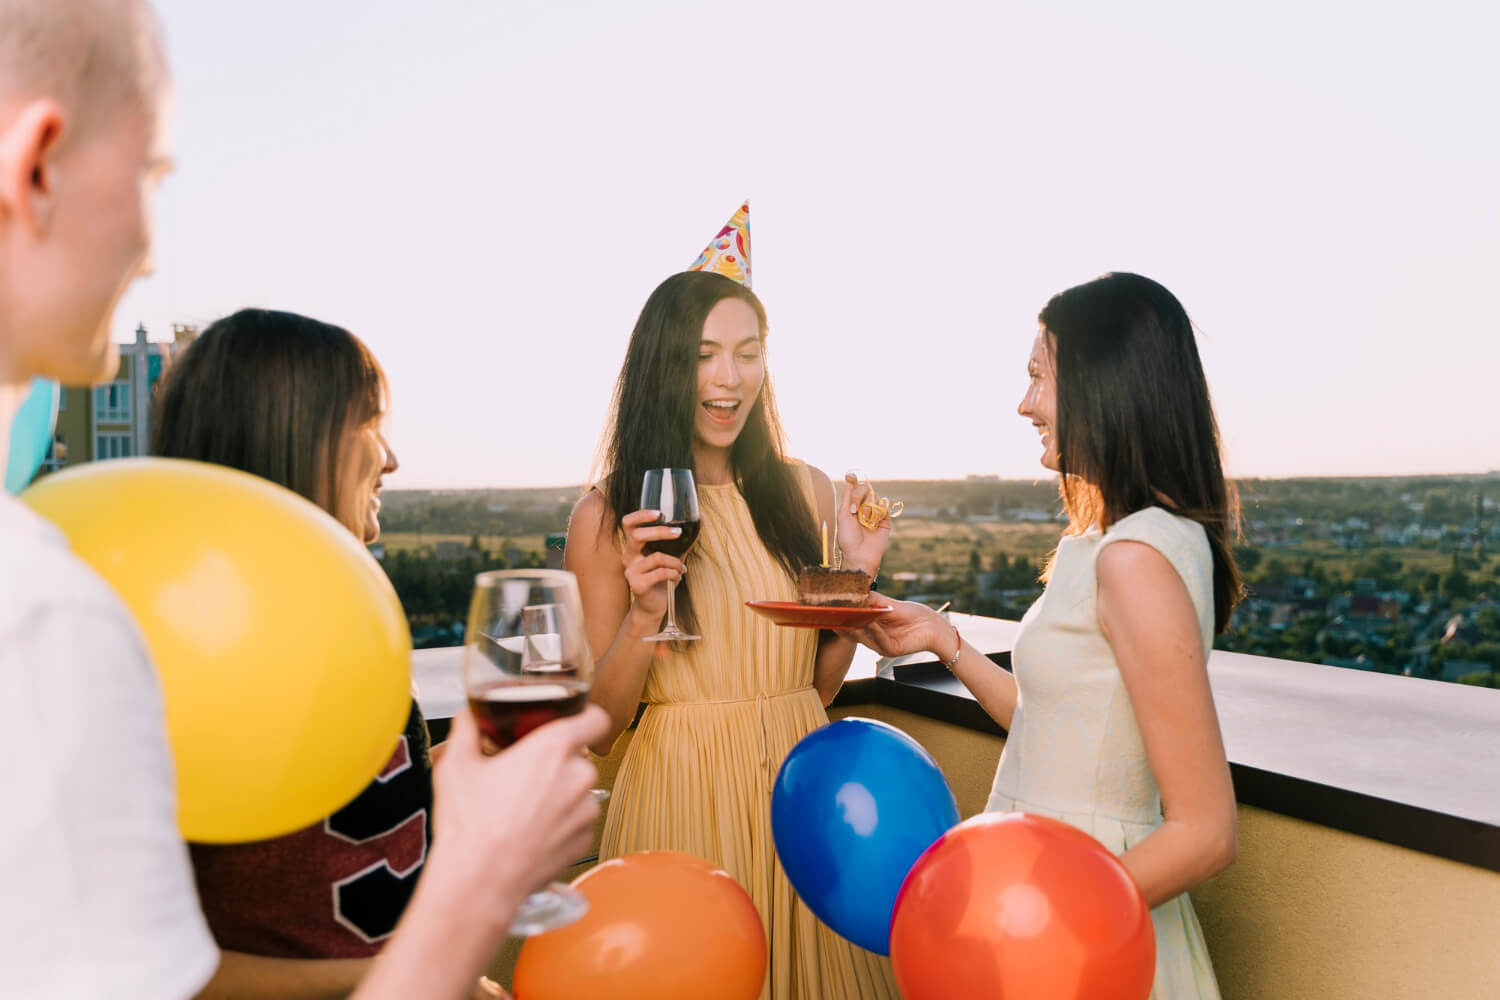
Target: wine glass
{"type": "Point", "coordinates": [672, 493]}
{"type": "Point", "coordinates": [526, 663]}
{"type": "Point", "coordinates": [541, 653]}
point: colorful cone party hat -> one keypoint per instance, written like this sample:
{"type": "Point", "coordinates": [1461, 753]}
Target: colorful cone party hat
{"type": "Point", "coordinates": [729, 253]}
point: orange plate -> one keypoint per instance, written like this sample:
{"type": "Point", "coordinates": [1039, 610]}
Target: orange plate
{"type": "Point", "coordinates": [810, 616]}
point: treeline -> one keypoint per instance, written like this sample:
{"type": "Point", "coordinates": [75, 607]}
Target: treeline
{"type": "Point", "coordinates": [1388, 646]}
{"type": "Point", "coordinates": [1468, 576]}
{"type": "Point", "coordinates": [478, 512]}
{"type": "Point", "coordinates": [435, 591]}
{"type": "Point", "coordinates": [1003, 587]}
{"type": "Point", "coordinates": [1429, 500]}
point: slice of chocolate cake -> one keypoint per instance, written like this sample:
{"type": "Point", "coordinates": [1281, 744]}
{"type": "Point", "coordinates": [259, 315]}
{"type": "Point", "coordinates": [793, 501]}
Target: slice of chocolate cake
{"type": "Point", "coordinates": [833, 588]}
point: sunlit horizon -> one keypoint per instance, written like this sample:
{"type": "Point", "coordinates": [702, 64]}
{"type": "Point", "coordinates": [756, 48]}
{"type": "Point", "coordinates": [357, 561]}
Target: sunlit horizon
{"type": "Point", "coordinates": [487, 195]}
{"type": "Point", "coordinates": [1243, 481]}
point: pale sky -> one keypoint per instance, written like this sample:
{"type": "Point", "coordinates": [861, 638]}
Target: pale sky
{"type": "Point", "coordinates": [486, 192]}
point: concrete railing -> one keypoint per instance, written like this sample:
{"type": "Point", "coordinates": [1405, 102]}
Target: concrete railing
{"type": "Point", "coordinates": [1369, 818]}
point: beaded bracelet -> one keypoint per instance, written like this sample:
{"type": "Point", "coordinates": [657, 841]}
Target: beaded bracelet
{"type": "Point", "coordinates": [949, 663]}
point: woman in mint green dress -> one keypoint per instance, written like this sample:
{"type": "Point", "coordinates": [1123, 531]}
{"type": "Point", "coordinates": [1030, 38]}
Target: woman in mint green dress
{"type": "Point", "coordinates": [1110, 720]}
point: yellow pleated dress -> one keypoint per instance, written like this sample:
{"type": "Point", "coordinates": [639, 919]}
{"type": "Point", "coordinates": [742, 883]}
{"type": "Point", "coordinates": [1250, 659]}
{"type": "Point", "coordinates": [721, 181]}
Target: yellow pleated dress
{"type": "Point", "coordinates": [721, 715]}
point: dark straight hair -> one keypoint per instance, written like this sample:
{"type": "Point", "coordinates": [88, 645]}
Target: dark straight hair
{"type": "Point", "coordinates": [271, 393]}
{"type": "Point", "coordinates": [656, 404]}
{"type": "Point", "coordinates": [1135, 426]}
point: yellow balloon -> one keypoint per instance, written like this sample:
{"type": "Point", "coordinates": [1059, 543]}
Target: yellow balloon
{"type": "Point", "coordinates": [284, 656]}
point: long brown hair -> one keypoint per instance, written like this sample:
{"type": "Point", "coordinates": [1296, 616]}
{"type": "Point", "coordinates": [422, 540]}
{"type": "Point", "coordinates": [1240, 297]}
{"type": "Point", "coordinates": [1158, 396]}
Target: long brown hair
{"type": "Point", "coordinates": [651, 423]}
{"type": "Point", "coordinates": [1135, 425]}
{"type": "Point", "coordinates": [271, 393]}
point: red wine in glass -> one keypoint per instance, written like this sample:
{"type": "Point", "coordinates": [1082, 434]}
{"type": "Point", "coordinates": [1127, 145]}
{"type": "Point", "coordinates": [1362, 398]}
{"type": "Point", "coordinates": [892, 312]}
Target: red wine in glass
{"type": "Point", "coordinates": [679, 546]}
{"type": "Point", "coordinates": [673, 494]}
{"type": "Point", "coordinates": [507, 710]}
{"type": "Point", "coordinates": [527, 662]}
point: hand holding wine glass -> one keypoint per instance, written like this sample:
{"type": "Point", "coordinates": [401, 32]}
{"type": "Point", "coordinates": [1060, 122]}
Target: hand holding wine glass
{"type": "Point", "coordinates": [511, 820]}
{"type": "Point", "coordinates": [648, 572]}
{"type": "Point", "coordinates": [674, 496]}
{"type": "Point", "coordinates": [527, 663]}
{"type": "Point", "coordinates": [507, 821]}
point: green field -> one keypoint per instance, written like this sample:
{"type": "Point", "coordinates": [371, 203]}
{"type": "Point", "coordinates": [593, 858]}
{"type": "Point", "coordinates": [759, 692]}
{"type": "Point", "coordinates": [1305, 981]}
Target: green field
{"type": "Point", "coordinates": [1332, 558]}
{"type": "Point", "coordinates": [920, 545]}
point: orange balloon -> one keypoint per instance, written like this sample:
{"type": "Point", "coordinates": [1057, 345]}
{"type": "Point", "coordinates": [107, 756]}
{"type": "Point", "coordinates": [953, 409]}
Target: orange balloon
{"type": "Point", "coordinates": [661, 926]}
{"type": "Point", "coordinates": [1010, 906]}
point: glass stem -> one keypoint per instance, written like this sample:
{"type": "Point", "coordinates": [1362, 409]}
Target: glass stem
{"type": "Point", "coordinates": [671, 606]}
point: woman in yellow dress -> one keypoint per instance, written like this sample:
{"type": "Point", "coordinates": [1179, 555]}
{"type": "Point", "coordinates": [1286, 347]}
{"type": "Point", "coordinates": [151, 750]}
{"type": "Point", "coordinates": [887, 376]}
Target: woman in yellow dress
{"type": "Point", "coordinates": [1110, 720]}
{"type": "Point", "coordinates": [721, 712]}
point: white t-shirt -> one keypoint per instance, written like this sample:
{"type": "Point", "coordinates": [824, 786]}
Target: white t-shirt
{"type": "Point", "coordinates": [96, 893]}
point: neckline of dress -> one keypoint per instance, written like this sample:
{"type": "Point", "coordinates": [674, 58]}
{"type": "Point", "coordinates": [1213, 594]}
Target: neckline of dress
{"type": "Point", "coordinates": [1093, 531]}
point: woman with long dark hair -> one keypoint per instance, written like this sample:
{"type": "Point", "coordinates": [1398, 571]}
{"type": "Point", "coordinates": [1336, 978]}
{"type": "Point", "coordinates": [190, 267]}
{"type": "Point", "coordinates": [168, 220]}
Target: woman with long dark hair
{"type": "Point", "coordinates": [721, 712]}
{"type": "Point", "coordinates": [1110, 720]}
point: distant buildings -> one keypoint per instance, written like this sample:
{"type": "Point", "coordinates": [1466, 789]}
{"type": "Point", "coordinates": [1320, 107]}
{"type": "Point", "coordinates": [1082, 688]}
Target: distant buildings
{"type": "Point", "coordinates": [1454, 669]}
{"type": "Point", "coordinates": [113, 419]}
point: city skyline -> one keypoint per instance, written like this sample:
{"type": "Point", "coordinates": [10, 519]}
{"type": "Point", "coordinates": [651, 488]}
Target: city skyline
{"type": "Point", "coordinates": [486, 196]}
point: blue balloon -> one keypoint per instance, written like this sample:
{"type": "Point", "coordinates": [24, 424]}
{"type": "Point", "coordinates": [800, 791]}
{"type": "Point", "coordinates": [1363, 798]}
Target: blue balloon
{"type": "Point", "coordinates": [854, 805]}
{"type": "Point", "coordinates": [31, 434]}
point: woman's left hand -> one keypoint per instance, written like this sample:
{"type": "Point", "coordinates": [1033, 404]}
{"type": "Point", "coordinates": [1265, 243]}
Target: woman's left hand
{"type": "Point", "coordinates": [862, 547]}
{"type": "Point", "coordinates": [907, 627]}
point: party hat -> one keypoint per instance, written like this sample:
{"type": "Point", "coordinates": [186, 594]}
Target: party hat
{"type": "Point", "coordinates": [729, 252]}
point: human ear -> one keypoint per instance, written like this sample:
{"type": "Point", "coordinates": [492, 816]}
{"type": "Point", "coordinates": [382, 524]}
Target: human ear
{"type": "Point", "coordinates": [28, 164]}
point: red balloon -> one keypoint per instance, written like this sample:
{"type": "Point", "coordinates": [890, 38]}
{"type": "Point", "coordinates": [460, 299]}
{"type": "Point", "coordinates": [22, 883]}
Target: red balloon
{"type": "Point", "coordinates": [661, 926]}
{"type": "Point", "coordinates": [1011, 906]}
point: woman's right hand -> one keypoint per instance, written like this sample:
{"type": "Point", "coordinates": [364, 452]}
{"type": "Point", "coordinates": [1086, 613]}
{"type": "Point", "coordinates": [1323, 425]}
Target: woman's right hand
{"type": "Point", "coordinates": [647, 573]}
{"type": "Point", "coordinates": [907, 628]}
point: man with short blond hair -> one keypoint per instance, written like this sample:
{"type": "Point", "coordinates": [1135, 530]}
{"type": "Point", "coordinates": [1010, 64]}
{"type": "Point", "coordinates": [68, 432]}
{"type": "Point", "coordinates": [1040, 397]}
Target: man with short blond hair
{"type": "Point", "coordinates": [98, 895]}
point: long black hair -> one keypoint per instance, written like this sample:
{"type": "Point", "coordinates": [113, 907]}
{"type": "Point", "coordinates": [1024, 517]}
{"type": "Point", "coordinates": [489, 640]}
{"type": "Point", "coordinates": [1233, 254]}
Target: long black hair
{"type": "Point", "coordinates": [656, 403]}
{"type": "Point", "coordinates": [1135, 426]}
